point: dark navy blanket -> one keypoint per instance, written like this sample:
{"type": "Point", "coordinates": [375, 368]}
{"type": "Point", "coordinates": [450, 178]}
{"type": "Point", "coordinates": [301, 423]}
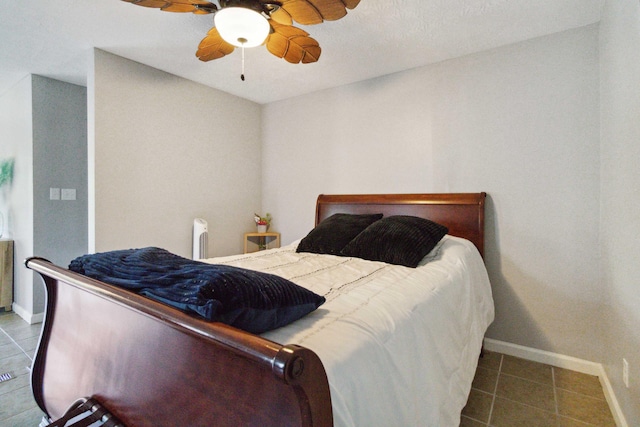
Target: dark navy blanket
{"type": "Point", "coordinates": [247, 299]}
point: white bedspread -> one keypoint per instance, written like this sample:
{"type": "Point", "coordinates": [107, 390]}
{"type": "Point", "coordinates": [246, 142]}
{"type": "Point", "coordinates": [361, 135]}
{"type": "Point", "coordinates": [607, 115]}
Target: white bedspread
{"type": "Point", "coordinates": [400, 345]}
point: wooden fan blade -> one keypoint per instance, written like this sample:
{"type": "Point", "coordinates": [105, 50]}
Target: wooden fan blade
{"type": "Point", "coordinates": [293, 44]}
{"type": "Point", "coordinates": [351, 4]}
{"type": "Point", "coordinates": [281, 16]}
{"type": "Point", "coordinates": [213, 46]}
{"type": "Point", "coordinates": [173, 7]}
{"type": "Point", "coordinates": [193, 6]}
{"type": "Point", "coordinates": [149, 3]}
{"type": "Point", "coordinates": [309, 12]}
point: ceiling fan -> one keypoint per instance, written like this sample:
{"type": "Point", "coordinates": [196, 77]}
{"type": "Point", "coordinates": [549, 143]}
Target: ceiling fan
{"type": "Point", "coordinates": [249, 23]}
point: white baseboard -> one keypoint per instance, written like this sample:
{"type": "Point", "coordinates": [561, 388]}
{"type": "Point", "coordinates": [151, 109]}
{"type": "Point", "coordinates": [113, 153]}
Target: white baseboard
{"type": "Point", "coordinates": [29, 317]}
{"type": "Point", "coordinates": [562, 361]}
{"type": "Point", "coordinates": [37, 318]}
{"type": "Point", "coordinates": [541, 356]}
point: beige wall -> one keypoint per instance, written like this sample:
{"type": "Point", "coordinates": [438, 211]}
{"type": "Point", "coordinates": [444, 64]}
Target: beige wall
{"type": "Point", "coordinates": [620, 222]}
{"type": "Point", "coordinates": [163, 151]}
{"type": "Point", "coordinates": [520, 122]}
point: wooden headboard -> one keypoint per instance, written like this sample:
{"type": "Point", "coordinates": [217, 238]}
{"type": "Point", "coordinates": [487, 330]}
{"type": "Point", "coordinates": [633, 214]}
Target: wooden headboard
{"type": "Point", "coordinates": [462, 213]}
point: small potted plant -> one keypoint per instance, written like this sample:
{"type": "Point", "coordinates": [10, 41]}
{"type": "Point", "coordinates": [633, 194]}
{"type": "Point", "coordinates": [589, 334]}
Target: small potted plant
{"type": "Point", "coordinates": [263, 222]}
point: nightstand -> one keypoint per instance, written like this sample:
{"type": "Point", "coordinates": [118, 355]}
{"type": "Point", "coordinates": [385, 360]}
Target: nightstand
{"type": "Point", "coordinates": [254, 242]}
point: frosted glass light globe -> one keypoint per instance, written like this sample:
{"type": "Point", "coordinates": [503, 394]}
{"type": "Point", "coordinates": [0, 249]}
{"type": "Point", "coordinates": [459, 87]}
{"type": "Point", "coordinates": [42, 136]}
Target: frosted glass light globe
{"type": "Point", "coordinates": [241, 26]}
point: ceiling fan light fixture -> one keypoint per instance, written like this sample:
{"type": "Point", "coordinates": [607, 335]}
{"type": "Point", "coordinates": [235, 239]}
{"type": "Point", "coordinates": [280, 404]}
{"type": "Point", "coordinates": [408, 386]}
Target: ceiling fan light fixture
{"type": "Point", "coordinates": [241, 27]}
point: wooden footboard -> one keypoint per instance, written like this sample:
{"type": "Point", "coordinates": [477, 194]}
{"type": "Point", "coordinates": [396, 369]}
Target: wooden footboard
{"type": "Point", "coordinates": [152, 365]}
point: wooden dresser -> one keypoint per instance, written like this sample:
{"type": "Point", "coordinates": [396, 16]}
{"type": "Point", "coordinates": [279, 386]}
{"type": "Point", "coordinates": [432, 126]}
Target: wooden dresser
{"type": "Point", "coordinates": [6, 274]}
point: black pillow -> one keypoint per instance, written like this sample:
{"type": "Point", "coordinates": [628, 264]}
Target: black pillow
{"type": "Point", "coordinates": [400, 239]}
{"type": "Point", "coordinates": [333, 234]}
{"type": "Point", "coordinates": [250, 300]}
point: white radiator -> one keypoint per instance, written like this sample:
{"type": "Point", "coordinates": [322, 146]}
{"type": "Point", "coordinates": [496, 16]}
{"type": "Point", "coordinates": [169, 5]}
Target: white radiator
{"type": "Point", "coordinates": [200, 238]}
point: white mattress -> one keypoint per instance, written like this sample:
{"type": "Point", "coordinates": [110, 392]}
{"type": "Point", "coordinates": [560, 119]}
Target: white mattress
{"type": "Point", "coordinates": [400, 345]}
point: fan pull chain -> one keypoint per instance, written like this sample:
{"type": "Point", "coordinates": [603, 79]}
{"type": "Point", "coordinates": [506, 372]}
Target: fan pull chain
{"type": "Point", "coordinates": [242, 75]}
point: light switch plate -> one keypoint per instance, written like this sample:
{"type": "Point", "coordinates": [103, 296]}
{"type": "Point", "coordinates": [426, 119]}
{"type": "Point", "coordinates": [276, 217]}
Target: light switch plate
{"type": "Point", "coordinates": [68, 194]}
{"type": "Point", "coordinates": [54, 194]}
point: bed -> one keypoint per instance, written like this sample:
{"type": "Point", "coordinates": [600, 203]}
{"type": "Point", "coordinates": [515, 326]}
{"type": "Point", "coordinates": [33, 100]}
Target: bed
{"type": "Point", "coordinates": [345, 364]}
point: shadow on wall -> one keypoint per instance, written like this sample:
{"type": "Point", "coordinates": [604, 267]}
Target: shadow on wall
{"type": "Point", "coordinates": [563, 316]}
{"type": "Point", "coordinates": [513, 322]}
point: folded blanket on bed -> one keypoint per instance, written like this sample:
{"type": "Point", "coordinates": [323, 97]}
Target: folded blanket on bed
{"type": "Point", "coordinates": [254, 301]}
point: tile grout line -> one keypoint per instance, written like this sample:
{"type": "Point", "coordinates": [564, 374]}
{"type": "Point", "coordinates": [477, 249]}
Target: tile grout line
{"type": "Point", "coordinates": [555, 391]}
{"type": "Point", "coordinates": [19, 346]}
{"type": "Point", "coordinates": [526, 379]}
{"type": "Point", "coordinates": [495, 390]}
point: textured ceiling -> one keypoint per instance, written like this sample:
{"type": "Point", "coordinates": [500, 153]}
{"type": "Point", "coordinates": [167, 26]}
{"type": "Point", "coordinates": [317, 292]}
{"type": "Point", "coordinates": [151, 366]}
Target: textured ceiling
{"type": "Point", "coordinates": [54, 38]}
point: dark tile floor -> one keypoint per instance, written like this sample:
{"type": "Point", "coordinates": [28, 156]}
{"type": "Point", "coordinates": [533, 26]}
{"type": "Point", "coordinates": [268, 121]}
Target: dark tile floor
{"type": "Point", "coordinates": [507, 391]}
